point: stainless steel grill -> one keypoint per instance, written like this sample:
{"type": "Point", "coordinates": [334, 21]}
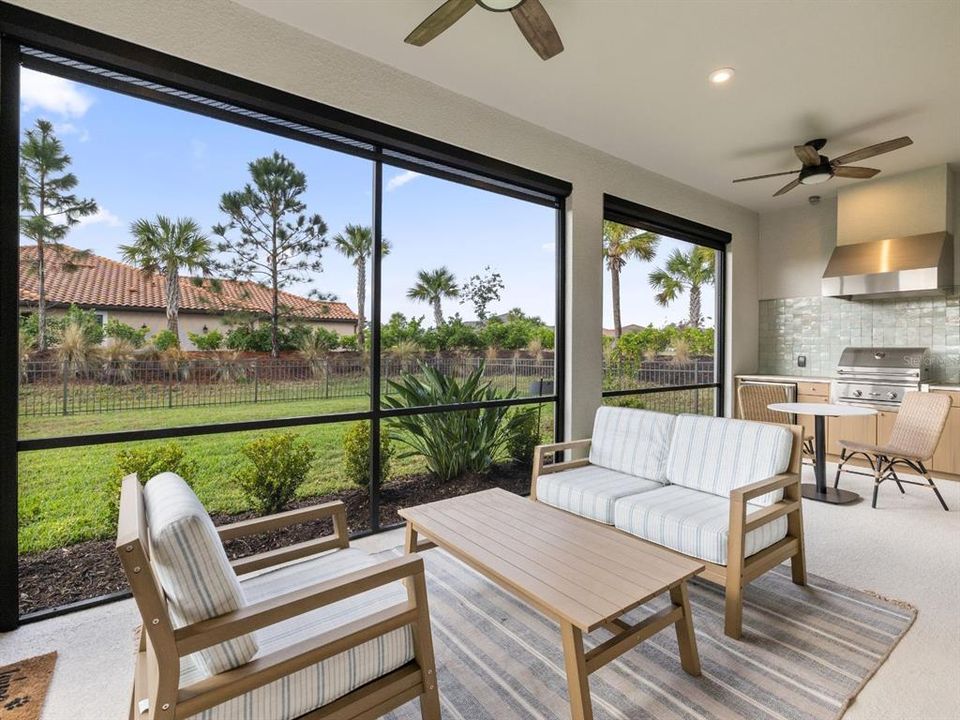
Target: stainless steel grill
{"type": "Point", "coordinates": [880, 376]}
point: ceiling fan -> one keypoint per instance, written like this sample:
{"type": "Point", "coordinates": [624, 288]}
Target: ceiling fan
{"type": "Point", "coordinates": [819, 168]}
{"type": "Point", "coordinates": [531, 18]}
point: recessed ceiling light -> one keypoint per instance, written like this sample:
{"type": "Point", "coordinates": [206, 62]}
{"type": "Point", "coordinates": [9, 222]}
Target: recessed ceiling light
{"type": "Point", "coordinates": [721, 75]}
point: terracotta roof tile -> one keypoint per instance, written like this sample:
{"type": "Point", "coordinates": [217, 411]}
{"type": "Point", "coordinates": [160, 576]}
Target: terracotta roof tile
{"type": "Point", "coordinates": [105, 283]}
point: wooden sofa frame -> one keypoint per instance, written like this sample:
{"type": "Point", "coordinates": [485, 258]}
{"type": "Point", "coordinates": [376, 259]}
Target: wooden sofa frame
{"type": "Point", "coordinates": [157, 675]}
{"type": "Point", "coordinates": [740, 570]}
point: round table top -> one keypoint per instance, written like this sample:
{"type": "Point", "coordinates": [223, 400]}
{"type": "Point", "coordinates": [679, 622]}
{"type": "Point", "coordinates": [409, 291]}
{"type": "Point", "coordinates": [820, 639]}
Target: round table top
{"type": "Point", "coordinates": [821, 409]}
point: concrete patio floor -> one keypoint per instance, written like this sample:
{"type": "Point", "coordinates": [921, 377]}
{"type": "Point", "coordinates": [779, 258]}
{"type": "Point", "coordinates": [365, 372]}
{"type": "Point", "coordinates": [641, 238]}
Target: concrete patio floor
{"type": "Point", "coordinates": [908, 549]}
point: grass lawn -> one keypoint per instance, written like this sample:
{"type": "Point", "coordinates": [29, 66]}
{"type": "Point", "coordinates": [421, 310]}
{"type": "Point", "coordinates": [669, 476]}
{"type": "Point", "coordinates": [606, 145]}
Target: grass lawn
{"type": "Point", "coordinates": [65, 494]}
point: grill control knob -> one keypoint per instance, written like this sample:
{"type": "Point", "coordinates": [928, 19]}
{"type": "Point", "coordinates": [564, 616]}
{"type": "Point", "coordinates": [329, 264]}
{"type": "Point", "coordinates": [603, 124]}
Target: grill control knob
{"type": "Point", "coordinates": [858, 393]}
{"type": "Point", "coordinates": [891, 396]}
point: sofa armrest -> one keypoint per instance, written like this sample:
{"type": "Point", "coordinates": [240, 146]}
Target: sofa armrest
{"type": "Point", "coordinates": [203, 634]}
{"type": "Point", "coordinates": [339, 539]}
{"type": "Point", "coordinates": [540, 453]}
{"type": "Point", "coordinates": [746, 493]}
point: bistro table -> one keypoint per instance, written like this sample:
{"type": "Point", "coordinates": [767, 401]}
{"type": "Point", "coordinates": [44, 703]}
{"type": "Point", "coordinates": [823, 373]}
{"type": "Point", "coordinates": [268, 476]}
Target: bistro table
{"type": "Point", "coordinates": [820, 411]}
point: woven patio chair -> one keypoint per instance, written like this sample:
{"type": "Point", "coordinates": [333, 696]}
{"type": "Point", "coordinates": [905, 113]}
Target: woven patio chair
{"type": "Point", "coordinates": [753, 401]}
{"type": "Point", "coordinates": [913, 440]}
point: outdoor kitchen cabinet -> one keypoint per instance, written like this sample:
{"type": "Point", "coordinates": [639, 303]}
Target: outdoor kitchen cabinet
{"type": "Point", "coordinates": [947, 457]}
{"type": "Point", "coordinates": [858, 428]}
{"type": "Point", "coordinates": [811, 392]}
{"type": "Point", "coordinates": [885, 421]}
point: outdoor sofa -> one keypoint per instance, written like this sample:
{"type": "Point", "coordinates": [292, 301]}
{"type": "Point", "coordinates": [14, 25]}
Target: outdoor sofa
{"type": "Point", "coordinates": [723, 491]}
{"type": "Point", "coordinates": [312, 630]}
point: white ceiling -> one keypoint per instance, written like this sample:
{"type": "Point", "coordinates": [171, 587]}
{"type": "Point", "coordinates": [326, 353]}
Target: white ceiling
{"type": "Point", "coordinates": [632, 80]}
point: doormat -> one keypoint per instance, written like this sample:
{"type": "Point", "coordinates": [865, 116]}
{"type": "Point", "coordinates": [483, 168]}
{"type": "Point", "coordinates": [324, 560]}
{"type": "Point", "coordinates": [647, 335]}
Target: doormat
{"type": "Point", "coordinates": [23, 687]}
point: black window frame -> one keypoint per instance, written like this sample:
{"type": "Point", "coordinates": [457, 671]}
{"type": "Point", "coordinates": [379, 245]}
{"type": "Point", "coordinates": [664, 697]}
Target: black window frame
{"type": "Point", "coordinates": [31, 39]}
{"type": "Point", "coordinates": [627, 212]}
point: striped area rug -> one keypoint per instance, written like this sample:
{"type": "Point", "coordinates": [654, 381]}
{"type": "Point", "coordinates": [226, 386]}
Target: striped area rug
{"type": "Point", "coordinates": [805, 654]}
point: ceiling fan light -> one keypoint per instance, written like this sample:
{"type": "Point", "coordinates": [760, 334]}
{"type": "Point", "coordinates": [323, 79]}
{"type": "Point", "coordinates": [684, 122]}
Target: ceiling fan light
{"type": "Point", "coordinates": [816, 178]}
{"type": "Point", "coordinates": [721, 75]}
{"type": "Point", "coordinates": [499, 5]}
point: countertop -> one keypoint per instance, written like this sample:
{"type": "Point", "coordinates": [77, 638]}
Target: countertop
{"type": "Point", "coordinates": [812, 378]}
{"type": "Point", "coordinates": [785, 378]}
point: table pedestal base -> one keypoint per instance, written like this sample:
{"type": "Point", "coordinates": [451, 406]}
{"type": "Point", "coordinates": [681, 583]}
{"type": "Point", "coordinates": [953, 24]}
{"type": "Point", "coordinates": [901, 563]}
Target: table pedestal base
{"type": "Point", "coordinates": [834, 496]}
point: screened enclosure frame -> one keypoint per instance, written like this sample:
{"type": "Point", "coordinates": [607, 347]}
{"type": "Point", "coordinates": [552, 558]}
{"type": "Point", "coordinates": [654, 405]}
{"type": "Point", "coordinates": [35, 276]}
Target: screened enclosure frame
{"type": "Point", "coordinates": [656, 221]}
{"type": "Point", "coordinates": [29, 39]}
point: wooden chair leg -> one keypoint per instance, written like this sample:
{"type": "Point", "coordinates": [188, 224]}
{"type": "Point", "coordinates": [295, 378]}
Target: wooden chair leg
{"type": "Point", "coordinates": [423, 650]}
{"type": "Point", "coordinates": [733, 614]}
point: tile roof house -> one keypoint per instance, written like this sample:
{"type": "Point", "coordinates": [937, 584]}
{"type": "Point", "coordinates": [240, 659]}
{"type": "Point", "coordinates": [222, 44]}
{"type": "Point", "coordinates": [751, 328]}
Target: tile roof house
{"type": "Point", "coordinates": [122, 291]}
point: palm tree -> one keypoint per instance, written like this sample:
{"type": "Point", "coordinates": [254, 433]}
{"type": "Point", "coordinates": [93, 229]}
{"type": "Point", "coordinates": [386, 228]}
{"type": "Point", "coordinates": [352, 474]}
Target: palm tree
{"type": "Point", "coordinates": [164, 246]}
{"type": "Point", "coordinates": [356, 243]}
{"type": "Point", "coordinates": [621, 243]}
{"type": "Point", "coordinates": [431, 287]}
{"type": "Point", "coordinates": [48, 209]}
{"type": "Point", "coordinates": [685, 272]}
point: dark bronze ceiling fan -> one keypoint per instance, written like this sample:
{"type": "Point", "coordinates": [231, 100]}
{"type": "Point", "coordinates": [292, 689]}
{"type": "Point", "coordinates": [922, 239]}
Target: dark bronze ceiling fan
{"type": "Point", "coordinates": [819, 168]}
{"type": "Point", "coordinates": [531, 18]}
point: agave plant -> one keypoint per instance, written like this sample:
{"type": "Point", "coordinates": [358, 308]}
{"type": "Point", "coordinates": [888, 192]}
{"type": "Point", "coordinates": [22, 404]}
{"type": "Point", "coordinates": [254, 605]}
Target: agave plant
{"type": "Point", "coordinates": [457, 442]}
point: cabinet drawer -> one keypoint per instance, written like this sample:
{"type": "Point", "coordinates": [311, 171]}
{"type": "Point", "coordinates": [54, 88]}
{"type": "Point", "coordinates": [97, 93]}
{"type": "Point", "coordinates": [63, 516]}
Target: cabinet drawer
{"type": "Point", "coordinates": [820, 390]}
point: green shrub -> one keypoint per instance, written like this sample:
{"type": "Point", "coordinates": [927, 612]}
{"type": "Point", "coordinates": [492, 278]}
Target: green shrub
{"type": "Point", "coordinates": [356, 454]}
{"type": "Point", "coordinates": [165, 339]}
{"type": "Point", "coordinates": [208, 341]}
{"type": "Point", "coordinates": [147, 461]}
{"type": "Point", "coordinates": [521, 444]}
{"type": "Point", "coordinates": [349, 342]}
{"type": "Point", "coordinates": [117, 330]}
{"type": "Point", "coordinates": [279, 463]}
{"type": "Point", "coordinates": [457, 442]}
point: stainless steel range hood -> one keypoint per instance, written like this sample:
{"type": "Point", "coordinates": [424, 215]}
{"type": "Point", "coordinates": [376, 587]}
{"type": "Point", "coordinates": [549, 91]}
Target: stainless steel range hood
{"type": "Point", "coordinates": [915, 265]}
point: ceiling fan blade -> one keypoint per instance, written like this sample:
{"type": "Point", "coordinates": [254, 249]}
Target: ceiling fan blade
{"type": "Point", "coordinates": [867, 152]}
{"type": "Point", "coordinates": [808, 155]}
{"type": "Point", "coordinates": [787, 188]}
{"type": "Point", "coordinates": [438, 21]}
{"type": "Point", "coordinates": [855, 172]}
{"type": "Point", "coordinates": [761, 177]}
{"type": "Point", "coordinates": [538, 28]}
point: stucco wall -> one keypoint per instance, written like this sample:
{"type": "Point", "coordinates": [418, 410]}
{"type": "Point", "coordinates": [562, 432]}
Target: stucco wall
{"type": "Point", "coordinates": [228, 37]}
{"type": "Point", "coordinates": [188, 323]}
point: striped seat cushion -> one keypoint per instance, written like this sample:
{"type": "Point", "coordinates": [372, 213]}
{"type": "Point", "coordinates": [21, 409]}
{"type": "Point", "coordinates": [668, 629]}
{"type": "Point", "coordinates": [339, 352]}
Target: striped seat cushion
{"type": "Point", "coordinates": [716, 455]}
{"type": "Point", "coordinates": [635, 442]}
{"type": "Point", "coordinates": [319, 684]}
{"type": "Point", "coordinates": [190, 562]}
{"type": "Point", "coordinates": [590, 491]}
{"type": "Point", "coordinates": [691, 522]}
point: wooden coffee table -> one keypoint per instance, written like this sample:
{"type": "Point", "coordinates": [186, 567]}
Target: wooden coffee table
{"type": "Point", "coordinates": [582, 574]}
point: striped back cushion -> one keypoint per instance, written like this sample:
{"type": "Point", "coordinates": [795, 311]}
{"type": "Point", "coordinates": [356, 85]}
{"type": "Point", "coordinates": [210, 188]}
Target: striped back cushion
{"type": "Point", "coordinates": [635, 442]}
{"type": "Point", "coordinates": [716, 455]}
{"type": "Point", "coordinates": [192, 567]}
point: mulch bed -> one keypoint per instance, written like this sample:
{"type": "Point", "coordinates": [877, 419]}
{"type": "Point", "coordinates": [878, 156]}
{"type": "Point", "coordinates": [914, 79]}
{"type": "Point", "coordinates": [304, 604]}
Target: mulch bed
{"type": "Point", "coordinates": [89, 569]}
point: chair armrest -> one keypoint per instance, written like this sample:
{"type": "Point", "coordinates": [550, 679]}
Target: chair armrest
{"type": "Point", "coordinates": [203, 634]}
{"type": "Point", "coordinates": [254, 526]}
{"type": "Point", "coordinates": [744, 494]}
{"type": "Point", "coordinates": [541, 450]}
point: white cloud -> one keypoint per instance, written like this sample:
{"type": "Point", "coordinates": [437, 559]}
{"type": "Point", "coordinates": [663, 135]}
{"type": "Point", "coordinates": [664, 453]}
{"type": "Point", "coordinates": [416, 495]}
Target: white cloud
{"type": "Point", "coordinates": [549, 247]}
{"type": "Point", "coordinates": [101, 217]}
{"type": "Point", "coordinates": [68, 128]}
{"type": "Point", "coordinates": [53, 94]}
{"type": "Point", "coordinates": [400, 180]}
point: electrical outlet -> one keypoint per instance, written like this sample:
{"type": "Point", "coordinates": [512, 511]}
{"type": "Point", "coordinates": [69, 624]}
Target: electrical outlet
{"type": "Point", "coordinates": [801, 360]}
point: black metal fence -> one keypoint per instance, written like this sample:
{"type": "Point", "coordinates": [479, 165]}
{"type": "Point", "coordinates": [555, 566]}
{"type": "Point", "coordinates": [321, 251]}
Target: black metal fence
{"type": "Point", "coordinates": [51, 387]}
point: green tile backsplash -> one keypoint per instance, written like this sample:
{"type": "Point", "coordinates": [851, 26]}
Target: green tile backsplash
{"type": "Point", "coordinates": [821, 328]}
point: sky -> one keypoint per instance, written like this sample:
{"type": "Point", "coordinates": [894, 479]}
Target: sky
{"type": "Point", "coordinates": [138, 159]}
